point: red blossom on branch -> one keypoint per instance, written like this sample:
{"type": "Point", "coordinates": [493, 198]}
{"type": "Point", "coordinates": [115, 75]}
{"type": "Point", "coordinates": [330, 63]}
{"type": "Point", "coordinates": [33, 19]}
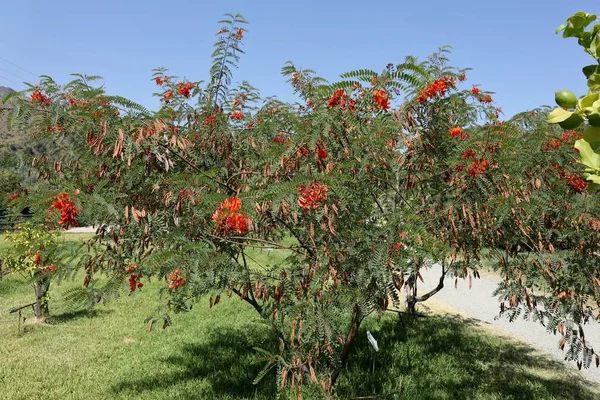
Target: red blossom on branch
{"type": "Point", "coordinates": [381, 98]}
{"type": "Point", "coordinates": [340, 98]}
{"type": "Point", "coordinates": [281, 138]}
{"type": "Point", "coordinates": [49, 268]}
{"type": "Point", "coordinates": [468, 153]}
{"type": "Point", "coordinates": [175, 279]}
{"type": "Point", "coordinates": [485, 99]}
{"type": "Point", "coordinates": [14, 196]}
{"type": "Point", "coordinates": [184, 89]}
{"type": "Point", "coordinates": [238, 115]}
{"type": "Point", "coordinates": [134, 282]}
{"type": "Point", "coordinates": [438, 88]}
{"type": "Point", "coordinates": [312, 196]}
{"type": "Point", "coordinates": [478, 167]}
{"type": "Point", "coordinates": [228, 219]}
{"type": "Point", "coordinates": [68, 211]}
{"type": "Point", "coordinates": [458, 132]}
{"type": "Point", "coordinates": [38, 97]}
{"type": "Point", "coordinates": [321, 152]}
{"type": "Point", "coordinates": [167, 96]}
{"type": "Point", "coordinates": [209, 120]}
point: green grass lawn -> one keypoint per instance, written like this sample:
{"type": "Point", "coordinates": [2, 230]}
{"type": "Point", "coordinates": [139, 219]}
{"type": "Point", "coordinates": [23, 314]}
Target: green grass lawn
{"type": "Point", "coordinates": [208, 354]}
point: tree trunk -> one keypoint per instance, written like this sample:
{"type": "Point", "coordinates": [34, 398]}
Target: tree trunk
{"type": "Point", "coordinates": [41, 304]}
{"type": "Point", "coordinates": [354, 325]}
{"type": "Point", "coordinates": [411, 289]}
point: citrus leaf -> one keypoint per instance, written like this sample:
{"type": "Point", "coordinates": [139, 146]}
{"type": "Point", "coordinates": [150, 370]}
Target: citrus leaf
{"type": "Point", "coordinates": [588, 157]}
{"type": "Point", "coordinates": [588, 70]}
{"type": "Point", "coordinates": [558, 115]}
{"type": "Point", "coordinates": [588, 100]}
{"type": "Point", "coordinates": [591, 134]}
{"type": "Point", "coordinates": [594, 81]}
{"type": "Point", "coordinates": [593, 178]}
{"type": "Point", "coordinates": [592, 187]}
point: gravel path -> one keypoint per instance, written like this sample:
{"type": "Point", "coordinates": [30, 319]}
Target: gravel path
{"type": "Point", "coordinates": [82, 229]}
{"type": "Point", "coordinates": [479, 303]}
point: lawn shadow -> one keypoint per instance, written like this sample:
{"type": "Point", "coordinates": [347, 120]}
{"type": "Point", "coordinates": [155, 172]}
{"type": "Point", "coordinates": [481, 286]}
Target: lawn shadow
{"type": "Point", "coordinates": [225, 360]}
{"type": "Point", "coordinates": [70, 316]}
{"type": "Point", "coordinates": [448, 357]}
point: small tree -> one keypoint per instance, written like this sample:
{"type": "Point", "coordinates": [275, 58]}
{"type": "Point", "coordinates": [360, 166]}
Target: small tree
{"type": "Point", "coordinates": [33, 254]}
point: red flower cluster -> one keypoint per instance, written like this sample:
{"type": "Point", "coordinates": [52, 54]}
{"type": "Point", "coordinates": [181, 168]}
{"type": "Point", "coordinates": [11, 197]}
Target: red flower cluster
{"type": "Point", "coordinates": [340, 98]}
{"type": "Point", "coordinates": [321, 152]}
{"type": "Point", "coordinates": [552, 144]}
{"type": "Point", "coordinates": [569, 137]}
{"type": "Point", "coordinates": [303, 151]}
{"type": "Point", "coordinates": [167, 96]}
{"type": "Point", "coordinates": [462, 77]}
{"type": "Point", "coordinates": [468, 153]}
{"type": "Point", "coordinates": [381, 98]}
{"type": "Point", "coordinates": [38, 97]}
{"type": "Point", "coordinates": [131, 268]}
{"type": "Point", "coordinates": [49, 268]}
{"type": "Point", "coordinates": [281, 138]}
{"type": "Point", "coordinates": [209, 120]}
{"type": "Point", "coordinates": [134, 282]}
{"type": "Point", "coordinates": [228, 220]}
{"type": "Point", "coordinates": [238, 115]}
{"type": "Point", "coordinates": [13, 196]}
{"type": "Point", "coordinates": [485, 99]}
{"type": "Point", "coordinates": [240, 34]}
{"type": "Point", "coordinates": [566, 138]}
{"type": "Point", "coordinates": [478, 167]}
{"type": "Point", "coordinates": [38, 259]}
{"type": "Point", "coordinates": [312, 196]}
{"type": "Point", "coordinates": [574, 180]}
{"type": "Point", "coordinates": [175, 279]}
{"type": "Point", "coordinates": [458, 132]}
{"type": "Point", "coordinates": [437, 88]}
{"type": "Point", "coordinates": [56, 128]}
{"type": "Point", "coordinates": [395, 248]}
{"type": "Point", "coordinates": [475, 90]}
{"type": "Point", "coordinates": [159, 81]}
{"type": "Point", "coordinates": [68, 212]}
{"type": "Point", "coordinates": [184, 89]}
{"type": "Point", "coordinates": [577, 184]}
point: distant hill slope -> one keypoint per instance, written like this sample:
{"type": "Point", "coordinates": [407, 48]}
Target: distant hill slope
{"type": "Point", "coordinates": [11, 140]}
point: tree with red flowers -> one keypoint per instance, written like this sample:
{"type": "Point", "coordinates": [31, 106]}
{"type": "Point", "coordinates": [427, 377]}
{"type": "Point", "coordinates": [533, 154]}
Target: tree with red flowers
{"type": "Point", "coordinates": [364, 183]}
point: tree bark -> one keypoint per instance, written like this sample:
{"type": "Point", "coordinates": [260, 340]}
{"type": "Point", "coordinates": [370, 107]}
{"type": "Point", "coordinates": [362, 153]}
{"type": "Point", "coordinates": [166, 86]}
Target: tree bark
{"type": "Point", "coordinates": [354, 325]}
{"type": "Point", "coordinates": [411, 290]}
{"type": "Point", "coordinates": [41, 305]}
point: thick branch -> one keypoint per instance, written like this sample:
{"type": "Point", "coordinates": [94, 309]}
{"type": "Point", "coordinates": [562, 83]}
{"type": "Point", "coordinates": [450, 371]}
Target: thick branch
{"type": "Point", "coordinates": [439, 287]}
{"type": "Point", "coordinates": [249, 300]}
{"type": "Point", "coordinates": [354, 325]}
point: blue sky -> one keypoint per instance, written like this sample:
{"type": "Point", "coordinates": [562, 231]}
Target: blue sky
{"type": "Point", "coordinates": [510, 45]}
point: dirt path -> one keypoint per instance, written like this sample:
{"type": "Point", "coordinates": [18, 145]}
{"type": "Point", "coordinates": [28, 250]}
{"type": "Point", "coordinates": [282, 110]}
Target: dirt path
{"type": "Point", "coordinates": [479, 303]}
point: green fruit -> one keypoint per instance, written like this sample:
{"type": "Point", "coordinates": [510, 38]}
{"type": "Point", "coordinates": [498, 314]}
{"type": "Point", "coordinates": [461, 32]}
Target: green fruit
{"type": "Point", "coordinates": [565, 98]}
{"type": "Point", "coordinates": [572, 122]}
{"type": "Point", "coordinates": [594, 120]}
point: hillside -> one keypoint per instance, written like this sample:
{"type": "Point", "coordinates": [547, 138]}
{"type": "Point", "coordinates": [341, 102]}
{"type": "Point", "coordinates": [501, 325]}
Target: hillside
{"type": "Point", "coordinates": [11, 140]}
